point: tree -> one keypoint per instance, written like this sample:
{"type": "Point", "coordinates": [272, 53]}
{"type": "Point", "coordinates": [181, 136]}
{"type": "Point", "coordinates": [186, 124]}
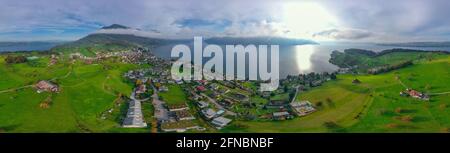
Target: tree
{"type": "Point", "coordinates": [138, 82]}
{"type": "Point", "coordinates": [15, 59]}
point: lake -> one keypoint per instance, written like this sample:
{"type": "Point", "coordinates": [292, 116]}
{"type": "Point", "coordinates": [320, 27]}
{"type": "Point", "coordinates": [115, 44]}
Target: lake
{"type": "Point", "coordinates": [300, 59]}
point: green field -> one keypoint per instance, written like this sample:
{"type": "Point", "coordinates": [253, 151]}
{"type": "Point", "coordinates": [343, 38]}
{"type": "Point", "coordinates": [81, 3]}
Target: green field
{"type": "Point", "coordinates": [86, 92]}
{"type": "Point", "coordinates": [174, 96]}
{"type": "Point", "coordinates": [373, 105]}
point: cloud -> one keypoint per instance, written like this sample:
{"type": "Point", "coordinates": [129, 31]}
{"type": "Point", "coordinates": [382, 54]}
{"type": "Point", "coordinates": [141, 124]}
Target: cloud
{"type": "Point", "coordinates": [370, 20]}
{"type": "Point", "coordinates": [344, 34]}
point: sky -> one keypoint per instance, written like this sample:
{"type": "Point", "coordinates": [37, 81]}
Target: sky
{"type": "Point", "coordinates": [319, 20]}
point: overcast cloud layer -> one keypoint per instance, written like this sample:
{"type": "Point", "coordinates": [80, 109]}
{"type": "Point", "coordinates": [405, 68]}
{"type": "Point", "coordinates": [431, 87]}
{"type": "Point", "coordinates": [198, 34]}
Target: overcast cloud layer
{"type": "Point", "coordinates": [369, 20]}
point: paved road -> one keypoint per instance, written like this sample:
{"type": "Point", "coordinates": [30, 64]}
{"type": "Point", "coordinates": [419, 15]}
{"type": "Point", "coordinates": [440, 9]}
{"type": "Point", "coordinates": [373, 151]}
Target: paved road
{"type": "Point", "coordinates": [161, 113]}
{"type": "Point", "coordinates": [296, 93]}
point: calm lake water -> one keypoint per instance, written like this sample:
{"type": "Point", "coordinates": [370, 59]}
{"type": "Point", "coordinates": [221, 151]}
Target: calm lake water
{"type": "Point", "coordinates": [300, 59]}
{"type": "Point", "coordinates": [27, 46]}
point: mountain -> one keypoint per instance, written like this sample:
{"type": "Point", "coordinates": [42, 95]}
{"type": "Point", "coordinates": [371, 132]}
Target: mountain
{"type": "Point", "coordinates": [258, 41]}
{"type": "Point", "coordinates": [107, 39]}
{"type": "Point", "coordinates": [419, 44]}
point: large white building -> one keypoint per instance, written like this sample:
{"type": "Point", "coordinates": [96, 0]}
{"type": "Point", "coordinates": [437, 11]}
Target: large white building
{"type": "Point", "coordinates": [134, 116]}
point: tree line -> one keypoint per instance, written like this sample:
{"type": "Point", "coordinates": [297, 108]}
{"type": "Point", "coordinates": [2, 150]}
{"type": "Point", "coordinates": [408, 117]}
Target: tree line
{"type": "Point", "coordinates": [388, 68]}
{"type": "Point", "coordinates": [15, 59]}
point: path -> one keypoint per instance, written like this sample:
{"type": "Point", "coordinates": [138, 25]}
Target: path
{"type": "Point", "coordinates": [440, 93]}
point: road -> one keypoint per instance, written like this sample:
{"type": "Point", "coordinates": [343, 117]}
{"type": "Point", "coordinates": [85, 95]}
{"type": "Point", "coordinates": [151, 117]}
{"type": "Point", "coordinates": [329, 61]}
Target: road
{"type": "Point", "coordinates": [161, 113]}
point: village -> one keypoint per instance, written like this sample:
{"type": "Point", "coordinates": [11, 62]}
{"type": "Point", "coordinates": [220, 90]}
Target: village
{"type": "Point", "coordinates": [215, 102]}
{"type": "Point", "coordinates": [180, 106]}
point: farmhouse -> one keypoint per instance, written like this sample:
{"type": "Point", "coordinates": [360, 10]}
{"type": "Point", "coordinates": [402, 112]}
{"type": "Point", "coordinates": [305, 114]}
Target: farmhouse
{"type": "Point", "coordinates": [43, 85]}
{"type": "Point", "coordinates": [302, 108]}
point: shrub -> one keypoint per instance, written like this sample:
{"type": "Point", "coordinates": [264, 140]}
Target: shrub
{"type": "Point", "coordinates": [15, 59]}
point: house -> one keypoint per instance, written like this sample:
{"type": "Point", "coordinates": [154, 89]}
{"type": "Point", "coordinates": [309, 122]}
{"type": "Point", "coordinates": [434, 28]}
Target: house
{"type": "Point", "coordinates": [141, 89]}
{"type": "Point", "coordinates": [221, 121]}
{"type": "Point", "coordinates": [276, 104]}
{"type": "Point", "coordinates": [200, 88]}
{"type": "Point", "coordinates": [214, 86]}
{"type": "Point", "coordinates": [302, 108]}
{"type": "Point", "coordinates": [43, 85]}
{"type": "Point", "coordinates": [204, 82]}
{"type": "Point", "coordinates": [220, 112]}
{"type": "Point", "coordinates": [416, 94]}
{"type": "Point", "coordinates": [202, 104]}
{"type": "Point", "coordinates": [163, 89]}
{"type": "Point", "coordinates": [209, 113]}
{"type": "Point", "coordinates": [179, 81]}
{"type": "Point", "coordinates": [280, 115]}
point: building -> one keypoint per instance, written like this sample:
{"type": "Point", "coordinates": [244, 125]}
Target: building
{"type": "Point", "coordinates": [202, 104]}
{"type": "Point", "coordinates": [141, 89]}
{"type": "Point", "coordinates": [134, 118]}
{"type": "Point", "coordinates": [183, 115]}
{"type": "Point", "coordinates": [415, 94]}
{"type": "Point", "coordinates": [276, 104]}
{"type": "Point", "coordinates": [201, 88]}
{"type": "Point", "coordinates": [302, 108]}
{"type": "Point", "coordinates": [221, 122]}
{"type": "Point", "coordinates": [43, 85]}
{"type": "Point", "coordinates": [163, 89]}
{"type": "Point", "coordinates": [209, 113]}
{"type": "Point", "coordinates": [178, 107]}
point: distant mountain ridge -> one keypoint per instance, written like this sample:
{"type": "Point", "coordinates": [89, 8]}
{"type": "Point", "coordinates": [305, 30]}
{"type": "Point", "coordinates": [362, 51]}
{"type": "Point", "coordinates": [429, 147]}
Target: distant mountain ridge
{"type": "Point", "coordinates": [115, 26]}
{"type": "Point", "coordinates": [104, 41]}
{"type": "Point", "coordinates": [418, 44]}
{"type": "Point", "coordinates": [28, 46]}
